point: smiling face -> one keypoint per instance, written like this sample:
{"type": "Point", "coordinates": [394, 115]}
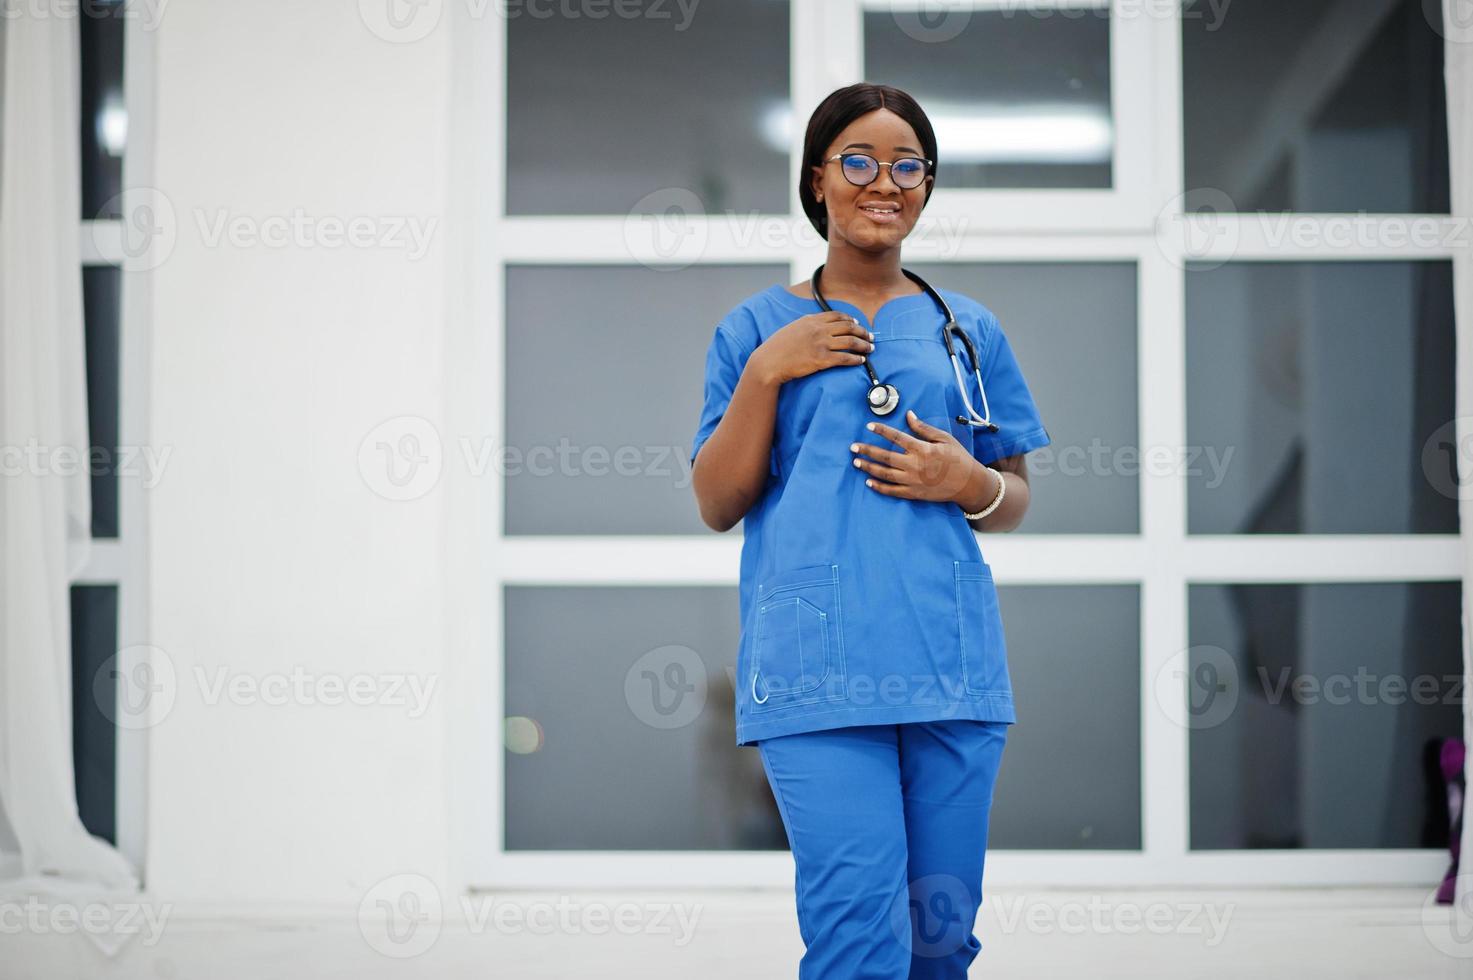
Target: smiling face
{"type": "Point", "coordinates": [878, 215]}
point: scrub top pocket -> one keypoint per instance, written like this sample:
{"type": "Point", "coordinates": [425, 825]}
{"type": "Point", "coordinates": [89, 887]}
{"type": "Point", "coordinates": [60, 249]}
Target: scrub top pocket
{"type": "Point", "coordinates": [979, 624]}
{"type": "Point", "coordinates": [797, 654]}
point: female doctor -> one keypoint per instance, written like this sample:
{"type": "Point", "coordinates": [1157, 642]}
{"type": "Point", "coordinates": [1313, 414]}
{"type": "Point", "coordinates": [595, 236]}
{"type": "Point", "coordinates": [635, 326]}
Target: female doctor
{"type": "Point", "coordinates": [862, 445]}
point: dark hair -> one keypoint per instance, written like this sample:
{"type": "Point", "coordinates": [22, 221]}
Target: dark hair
{"type": "Point", "coordinates": [839, 109]}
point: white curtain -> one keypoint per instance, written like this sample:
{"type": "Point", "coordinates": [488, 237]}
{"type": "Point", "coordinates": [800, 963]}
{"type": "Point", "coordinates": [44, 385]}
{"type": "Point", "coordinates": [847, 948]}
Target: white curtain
{"type": "Point", "coordinates": [1457, 19]}
{"type": "Point", "coordinates": [45, 504]}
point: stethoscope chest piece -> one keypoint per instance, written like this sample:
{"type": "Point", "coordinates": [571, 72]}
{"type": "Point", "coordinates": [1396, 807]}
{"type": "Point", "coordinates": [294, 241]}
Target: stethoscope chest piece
{"type": "Point", "coordinates": [883, 398]}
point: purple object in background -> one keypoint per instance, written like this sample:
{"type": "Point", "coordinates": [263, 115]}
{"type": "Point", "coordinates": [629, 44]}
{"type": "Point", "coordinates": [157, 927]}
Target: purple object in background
{"type": "Point", "coordinates": [1453, 753]}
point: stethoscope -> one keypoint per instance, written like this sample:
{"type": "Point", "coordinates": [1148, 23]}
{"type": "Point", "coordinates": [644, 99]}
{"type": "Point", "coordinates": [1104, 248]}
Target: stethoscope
{"type": "Point", "coordinates": [882, 398]}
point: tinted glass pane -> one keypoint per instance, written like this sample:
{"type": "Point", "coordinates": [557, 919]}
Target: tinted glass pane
{"type": "Point", "coordinates": [1073, 329]}
{"type": "Point", "coordinates": [1343, 108]}
{"type": "Point", "coordinates": [1320, 398]}
{"type": "Point", "coordinates": [1313, 707]}
{"type": "Point", "coordinates": [100, 293]}
{"type": "Point", "coordinates": [1074, 657]}
{"type": "Point", "coordinates": [605, 371]}
{"type": "Point", "coordinates": [104, 115]}
{"type": "Point", "coordinates": [604, 110]}
{"type": "Point", "coordinates": [94, 736]}
{"type": "Point", "coordinates": [1018, 98]}
{"type": "Point", "coordinates": [624, 696]}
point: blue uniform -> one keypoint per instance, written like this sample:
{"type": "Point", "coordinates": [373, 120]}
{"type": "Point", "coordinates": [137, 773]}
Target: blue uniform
{"type": "Point", "coordinates": [859, 608]}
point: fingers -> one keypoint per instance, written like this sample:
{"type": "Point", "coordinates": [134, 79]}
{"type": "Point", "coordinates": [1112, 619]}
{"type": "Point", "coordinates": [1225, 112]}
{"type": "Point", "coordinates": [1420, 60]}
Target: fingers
{"type": "Point", "coordinates": [848, 341]}
{"type": "Point", "coordinates": [843, 323]}
{"type": "Point", "coordinates": [904, 439]}
{"type": "Point", "coordinates": [891, 489]}
{"type": "Point", "coordinates": [880, 470]}
{"type": "Point", "coordinates": [926, 429]}
{"type": "Point", "coordinates": [879, 454]}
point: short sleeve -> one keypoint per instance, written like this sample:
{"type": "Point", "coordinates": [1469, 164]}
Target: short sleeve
{"type": "Point", "coordinates": [1019, 427]}
{"type": "Point", "coordinates": [726, 357]}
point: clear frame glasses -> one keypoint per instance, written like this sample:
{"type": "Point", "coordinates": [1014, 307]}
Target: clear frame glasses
{"type": "Point", "coordinates": [862, 169]}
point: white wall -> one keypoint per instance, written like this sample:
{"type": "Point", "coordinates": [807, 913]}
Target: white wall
{"type": "Point", "coordinates": [270, 551]}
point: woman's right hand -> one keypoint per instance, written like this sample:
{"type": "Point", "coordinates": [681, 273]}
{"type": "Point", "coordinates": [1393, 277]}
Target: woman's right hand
{"type": "Point", "coordinates": [812, 343]}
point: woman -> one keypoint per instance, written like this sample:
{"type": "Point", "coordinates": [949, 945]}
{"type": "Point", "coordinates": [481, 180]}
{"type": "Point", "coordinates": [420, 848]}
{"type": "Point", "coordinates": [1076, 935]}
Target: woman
{"type": "Point", "coordinates": [872, 674]}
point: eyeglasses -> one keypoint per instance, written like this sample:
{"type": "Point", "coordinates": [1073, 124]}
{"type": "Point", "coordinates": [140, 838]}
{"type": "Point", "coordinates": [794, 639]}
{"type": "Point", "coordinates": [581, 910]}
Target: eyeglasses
{"type": "Point", "coordinates": [862, 169]}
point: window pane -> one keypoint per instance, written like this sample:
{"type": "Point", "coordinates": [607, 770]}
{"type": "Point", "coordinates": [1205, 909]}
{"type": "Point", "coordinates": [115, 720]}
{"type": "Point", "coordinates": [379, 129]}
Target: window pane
{"type": "Point", "coordinates": [104, 114]}
{"type": "Point", "coordinates": [1073, 329]}
{"type": "Point", "coordinates": [94, 736]}
{"type": "Point", "coordinates": [605, 369]}
{"type": "Point", "coordinates": [1343, 109]}
{"type": "Point", "coordinates": [1018, 98]}
{"type": "Point", "coordinates": [1312, 707]}
{"type": "Point", "coordinates": [624, 695]}
{"type": "Point", "coordinates": [100, 297]}
{"type": "Point", "coordinates": [1320, 398]}
{"type": "Point", "coordinates": [1074, 657]}
{"type": "Point", "coordinates": [604, 110]}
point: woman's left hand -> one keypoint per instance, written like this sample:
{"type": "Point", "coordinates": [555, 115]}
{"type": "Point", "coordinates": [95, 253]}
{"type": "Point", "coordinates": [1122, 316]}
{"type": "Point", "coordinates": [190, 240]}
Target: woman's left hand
{"type": "Point", "coordinates": [931, 465]}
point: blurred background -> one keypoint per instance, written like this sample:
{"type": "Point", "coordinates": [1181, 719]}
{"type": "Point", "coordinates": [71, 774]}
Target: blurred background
{"type": "Point", "coordinates": [379, 603]}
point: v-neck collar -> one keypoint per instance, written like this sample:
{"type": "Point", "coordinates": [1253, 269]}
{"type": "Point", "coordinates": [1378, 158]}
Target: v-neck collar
{"type": "Point", "coordinates": [891, 307]}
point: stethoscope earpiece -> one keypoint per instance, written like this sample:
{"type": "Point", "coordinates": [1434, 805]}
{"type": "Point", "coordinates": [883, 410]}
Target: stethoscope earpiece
{"type": "Point", "coordinates": [883, 398]}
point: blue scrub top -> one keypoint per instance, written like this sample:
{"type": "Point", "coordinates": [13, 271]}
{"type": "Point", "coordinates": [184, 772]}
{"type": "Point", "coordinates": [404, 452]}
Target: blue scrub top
{"type": "Point", "coordinates": [859, 608]}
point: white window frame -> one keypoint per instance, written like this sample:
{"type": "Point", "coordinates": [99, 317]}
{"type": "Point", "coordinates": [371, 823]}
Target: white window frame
{"type": "Point", "coordinates": [124, 562]}
{"type": "Point", "coordinates": [1140, 220]}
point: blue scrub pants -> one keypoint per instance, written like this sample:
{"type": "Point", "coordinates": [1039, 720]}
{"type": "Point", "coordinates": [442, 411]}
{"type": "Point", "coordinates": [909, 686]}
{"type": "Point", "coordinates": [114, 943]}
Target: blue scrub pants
{"type": "Point", "coordinates": [888, 828]}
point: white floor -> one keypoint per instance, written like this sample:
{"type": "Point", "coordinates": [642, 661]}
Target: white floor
{"type": "Point", "coordinates": [1293, 933]}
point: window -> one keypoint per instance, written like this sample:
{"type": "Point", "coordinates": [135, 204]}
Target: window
{"type": "Point", "coordinates": [1243, 360]}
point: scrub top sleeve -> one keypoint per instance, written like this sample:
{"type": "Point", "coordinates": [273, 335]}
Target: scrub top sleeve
{"type": "Point", "coordinates": [1020, 428]}
{"type": "Point", "coordinates": [726, 357]}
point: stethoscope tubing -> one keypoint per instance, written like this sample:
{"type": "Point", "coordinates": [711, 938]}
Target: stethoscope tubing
{"type": "Point", "coordinates": [950, 328]}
